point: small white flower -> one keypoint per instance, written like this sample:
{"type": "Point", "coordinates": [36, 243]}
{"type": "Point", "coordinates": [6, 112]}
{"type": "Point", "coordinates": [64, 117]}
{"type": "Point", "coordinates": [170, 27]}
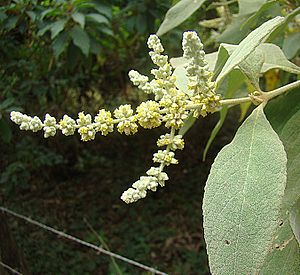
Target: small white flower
{"type": "Point", "coordinates": [49, 126]}
{"type": "Point", "coordinates": [127, 122]}
{"type": "Point", "coordinates": [165, 157]}
{"type": "Point", "coordinates": [104, 122]}
{"type": "Point", "coordinates": [67, 125]}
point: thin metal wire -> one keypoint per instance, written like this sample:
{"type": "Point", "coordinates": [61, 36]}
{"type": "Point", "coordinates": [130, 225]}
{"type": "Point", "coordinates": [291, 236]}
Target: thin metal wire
{"type": "Point", "coordinates": [10, 268]}
{"type": "Point", "coordinates": [84, 243]}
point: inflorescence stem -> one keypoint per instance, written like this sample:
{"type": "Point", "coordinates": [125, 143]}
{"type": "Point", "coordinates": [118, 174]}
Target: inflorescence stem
{"type": "Point", "coordinates": [260, 97]}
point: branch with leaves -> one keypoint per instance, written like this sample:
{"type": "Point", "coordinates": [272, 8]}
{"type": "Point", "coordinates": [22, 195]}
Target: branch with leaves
{"type": "Point", "coordinates": [251, 201]}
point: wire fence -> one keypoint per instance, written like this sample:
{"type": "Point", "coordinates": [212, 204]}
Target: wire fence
{"type": "Point", "coordinates": [79, 241]}
{"type": "Point", "coordinates": [12, 270]}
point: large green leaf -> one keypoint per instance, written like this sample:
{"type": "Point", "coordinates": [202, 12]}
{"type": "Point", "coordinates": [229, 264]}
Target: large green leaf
{"type": "Point", "coordinates": [280, 109]}
{"type": "Point", "coordinates": [80, 39]}
{"type": "Point", "coordinates": [178, 13]}
{"type": "Point", "coordinates": [284, 256]}
{"type": "Point", "coordinates": [284, 116]}
{"type": "Point", "coordinates": [242, 198]}
{"type": "Point", "coordinates": [273, 58]}
{"type": "Point", "coordinates": [290, 135]}
{"type": "Point", "coordinates": [249, 44]}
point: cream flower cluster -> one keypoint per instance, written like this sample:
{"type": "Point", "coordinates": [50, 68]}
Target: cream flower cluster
{"type": "Point", "coordinates": [155, 175]}
{"type": "Point", "coordinates": [199, 76]}
{"type": "Point", "coordinates": [171, 107]}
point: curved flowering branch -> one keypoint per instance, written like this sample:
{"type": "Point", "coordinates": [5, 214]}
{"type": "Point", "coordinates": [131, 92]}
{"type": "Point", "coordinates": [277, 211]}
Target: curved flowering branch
{"type": "Point", "coordinates": [170, 107]}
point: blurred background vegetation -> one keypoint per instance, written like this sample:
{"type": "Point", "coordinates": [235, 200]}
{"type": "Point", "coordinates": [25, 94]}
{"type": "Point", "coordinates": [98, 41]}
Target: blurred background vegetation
{"type": "Point", "coordinates": [64, 56]}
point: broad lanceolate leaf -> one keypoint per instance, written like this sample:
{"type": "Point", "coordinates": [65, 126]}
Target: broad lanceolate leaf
{"type": "Point", "coordinates": [242, 198]}
{"type": "Point", "coordinates": [80, 39]}
{"type": "Point", "coordinates": [284, 114]}
{"type": "Point", "coordinates": [249, 44]}
{"type": "Point", "coordinates": [290, 135]}
{"type": "Point", "coordinates": [273, 58]}
{"type": "Point", "coordinates": [179, 13]}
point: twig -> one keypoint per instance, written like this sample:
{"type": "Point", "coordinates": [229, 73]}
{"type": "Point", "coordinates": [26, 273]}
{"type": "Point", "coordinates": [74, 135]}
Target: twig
{"type": "Point", "coordinates": [10, 268]}
{"type": "Point", "coordinates": [84, 243]}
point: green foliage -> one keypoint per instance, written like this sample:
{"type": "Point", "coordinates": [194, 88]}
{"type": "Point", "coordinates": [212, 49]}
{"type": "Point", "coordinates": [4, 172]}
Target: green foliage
{"type": "Point", "coordinates": [243, 196]}
{"type": "Point", "coordinates": [231, 216]}
{"type": "Point", "coordinates": [248, 45]}
{"type": "Point", "coordinates": [178, 13]}
{"type": "Point", "coordinates": [60, 54]}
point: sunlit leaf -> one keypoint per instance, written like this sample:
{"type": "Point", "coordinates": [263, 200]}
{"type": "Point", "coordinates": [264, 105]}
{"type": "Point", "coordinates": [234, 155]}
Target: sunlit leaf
{"type": "Point", "coordinates": [178, 13]}
{"type": "Point", "coordinates": [243, 196]}
{"type": "Point", "coordinates": [249, 44]}
{"type": "Point", "coordinates": [284, 256]}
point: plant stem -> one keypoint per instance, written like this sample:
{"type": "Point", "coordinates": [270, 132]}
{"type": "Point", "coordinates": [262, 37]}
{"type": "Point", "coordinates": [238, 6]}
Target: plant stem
{"type": "Point", "coordinates": [281, 90]}
{"type": "Point", "coordinates": [235, 101]}
{"type": "Point", "coordinates": [263, 97]}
